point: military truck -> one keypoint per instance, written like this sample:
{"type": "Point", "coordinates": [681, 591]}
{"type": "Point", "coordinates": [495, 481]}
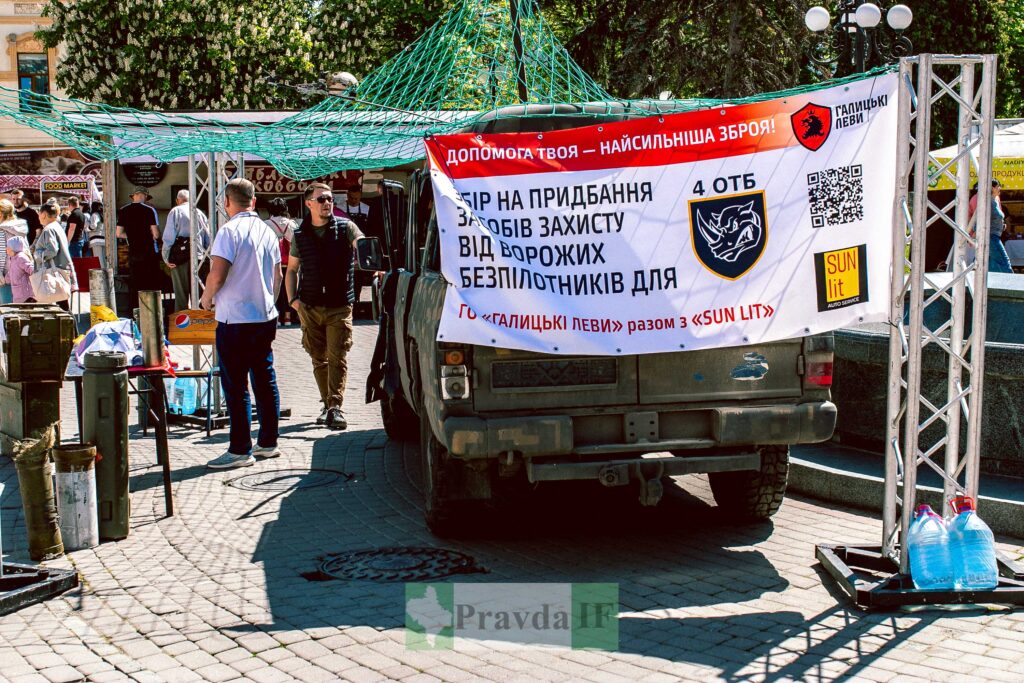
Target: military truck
{"type": "Point", "coordinates": [487, 418]}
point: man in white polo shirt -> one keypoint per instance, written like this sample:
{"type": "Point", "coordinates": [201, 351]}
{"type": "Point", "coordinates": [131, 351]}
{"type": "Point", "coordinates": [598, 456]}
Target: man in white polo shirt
{"type": "Point", "coordinates": [244, 280]}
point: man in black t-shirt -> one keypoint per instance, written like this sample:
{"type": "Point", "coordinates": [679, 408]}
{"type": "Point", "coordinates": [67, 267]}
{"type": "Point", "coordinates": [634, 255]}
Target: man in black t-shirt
{"type": "Point", "coordinates": [138, 223]}
{"type": "Point", "coordinates": [27, 214]}
{"type": "Point", "coordinates": [76, 228]}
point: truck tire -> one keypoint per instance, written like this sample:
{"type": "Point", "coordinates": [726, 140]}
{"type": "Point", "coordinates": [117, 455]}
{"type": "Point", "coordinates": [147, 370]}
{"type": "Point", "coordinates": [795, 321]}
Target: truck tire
{"type": "Point", "coordinates": [444, 516]}
{"type": "Point", "coordinates": [752, 496]}
{"type": "Point", "coordinates": [400, 422]}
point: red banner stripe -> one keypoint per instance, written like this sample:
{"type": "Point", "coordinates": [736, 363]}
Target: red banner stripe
{"type": "Point", "coordinates": [652, 141]}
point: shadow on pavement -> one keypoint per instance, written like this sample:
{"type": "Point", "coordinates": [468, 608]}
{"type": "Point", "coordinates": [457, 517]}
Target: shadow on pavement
{"type": "Point", "coordinates": [677, 555]}
{"type": "Point", "coordinates": [780, 645]}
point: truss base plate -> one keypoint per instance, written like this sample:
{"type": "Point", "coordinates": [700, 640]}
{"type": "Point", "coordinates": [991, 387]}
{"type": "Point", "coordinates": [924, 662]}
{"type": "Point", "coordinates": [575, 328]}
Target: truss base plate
{"type": "Point", "coordinates": [23, 585]}
{"type": "Point", "coordinates": [872, 580]}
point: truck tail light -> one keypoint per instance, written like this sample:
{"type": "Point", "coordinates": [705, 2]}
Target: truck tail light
{"type": "Point", "coordinates": [454, 382]}
{"type": "Point", "coordinates": [819, 373]}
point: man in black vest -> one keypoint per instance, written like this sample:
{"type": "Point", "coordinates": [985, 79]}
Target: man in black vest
{"type": "Point", "coordinates": [322, 252]}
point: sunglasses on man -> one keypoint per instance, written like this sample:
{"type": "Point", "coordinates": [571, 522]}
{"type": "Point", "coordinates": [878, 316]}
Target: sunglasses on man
{"type": "Point", "coordinates": [324, 199]}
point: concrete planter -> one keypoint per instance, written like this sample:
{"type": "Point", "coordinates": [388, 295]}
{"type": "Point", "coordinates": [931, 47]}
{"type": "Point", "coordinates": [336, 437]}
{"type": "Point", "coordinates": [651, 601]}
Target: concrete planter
{"type": "Point", "coordinates": [860, 384]}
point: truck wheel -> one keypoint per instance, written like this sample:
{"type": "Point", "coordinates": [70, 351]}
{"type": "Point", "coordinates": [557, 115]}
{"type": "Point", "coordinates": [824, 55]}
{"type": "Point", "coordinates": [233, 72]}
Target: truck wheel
{"type": "Point", "coordinates": [751, 495]}
{"type": "Point", "coordinates": [400, 422]}
{"type": "Point", "coordinates": [442, 514]}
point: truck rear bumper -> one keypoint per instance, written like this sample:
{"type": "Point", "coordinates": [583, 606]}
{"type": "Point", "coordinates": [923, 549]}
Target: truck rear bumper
{"type": "Point", "coordinates": [639, 432]}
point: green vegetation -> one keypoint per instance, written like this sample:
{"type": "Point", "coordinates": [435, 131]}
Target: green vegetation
{"type": "Point", "coordinates": [215, 54]}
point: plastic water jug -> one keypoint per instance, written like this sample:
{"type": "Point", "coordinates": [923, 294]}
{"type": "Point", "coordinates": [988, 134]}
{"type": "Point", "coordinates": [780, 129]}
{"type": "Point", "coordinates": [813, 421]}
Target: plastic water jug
{"type": "Point", "coordinates": [172, 405]}
{"type": "Point", "coordinates": [972, 547]}
{"type": "Point", "coordinates": [931, 565]}
{"type": "Point", "coordinates": [184, 396]}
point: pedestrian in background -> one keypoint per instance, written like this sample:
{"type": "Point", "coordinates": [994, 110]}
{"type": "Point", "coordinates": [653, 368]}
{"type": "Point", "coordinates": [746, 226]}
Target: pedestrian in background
{"type": "Point", "coordinates": [19, 269]}
{"type": "Point", "coordinates": [50, 249]}
{"type": "Point", "coordinates": [281, 223]}
{"type": "Point", "coordinates": [97, 236]}
{"type": "Point", "coordinates": [998, 261]}
{"type": "Point", "coordinates": [10, 226]}
{"type": "Point", "coordinates": [138, 223]}
{"type": "Point", "coordinates": [321, 286]}
{"type": "Point", "coordinates": [177, 247]}
{"type": "Point", "coordinates": [76, 227]}
{"type": "Point", "coordinates": [26, 213]}
{"type": "Point", "coordinates": [244, 280]}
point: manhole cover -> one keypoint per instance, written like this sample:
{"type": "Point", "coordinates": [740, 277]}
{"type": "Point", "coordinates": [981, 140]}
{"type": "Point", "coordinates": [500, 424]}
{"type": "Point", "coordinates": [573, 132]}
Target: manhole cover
{"type": "Point", "coordinates": [398, 564]}
{"type": "Point", "coordinates": [287, 480]}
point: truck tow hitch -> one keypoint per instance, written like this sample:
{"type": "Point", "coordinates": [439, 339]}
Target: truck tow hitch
{"type": "Point", "coordinates": [651, 489]}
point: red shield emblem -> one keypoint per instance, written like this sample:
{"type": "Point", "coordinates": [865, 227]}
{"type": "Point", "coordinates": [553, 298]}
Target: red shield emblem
{"type": "Point", "coordinates": [812, 125]}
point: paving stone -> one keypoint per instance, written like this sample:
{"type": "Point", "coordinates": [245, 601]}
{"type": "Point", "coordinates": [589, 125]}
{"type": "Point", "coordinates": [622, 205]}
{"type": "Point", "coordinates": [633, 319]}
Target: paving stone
{"type": "Point", "coordinates": [249, 664]}
{"type": "Point", "coordinates": [180, 675]}
{"type": "Point", "coordinates": [269, 675]}
{"type": "Point", "coordinates": [256, 642]}
{"type": "Point", "coordinates": [62, 674]}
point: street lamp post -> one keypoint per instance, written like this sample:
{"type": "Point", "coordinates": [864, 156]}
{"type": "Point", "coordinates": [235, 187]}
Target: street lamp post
{"type": "Point", "coordinates": [858, 40]}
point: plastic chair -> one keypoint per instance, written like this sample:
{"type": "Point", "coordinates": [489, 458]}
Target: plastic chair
{"type": "Point", "coordinates": [82, 267]}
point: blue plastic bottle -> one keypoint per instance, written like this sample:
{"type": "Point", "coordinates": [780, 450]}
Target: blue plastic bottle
{"type": "Point", "coordinates": [185, 395]}
{"type": "Point", "coordinates": [931, 565]}
{"type": "Point", "coordinates": [972, 547]}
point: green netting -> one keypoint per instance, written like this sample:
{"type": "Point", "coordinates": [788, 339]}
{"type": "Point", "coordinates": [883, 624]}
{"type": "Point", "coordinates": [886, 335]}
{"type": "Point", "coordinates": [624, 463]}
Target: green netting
{"type": "Point", "coordinates": [463, 68]}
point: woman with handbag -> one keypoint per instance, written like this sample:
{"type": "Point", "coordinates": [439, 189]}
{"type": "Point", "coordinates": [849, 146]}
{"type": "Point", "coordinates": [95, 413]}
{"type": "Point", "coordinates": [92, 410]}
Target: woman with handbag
{"type": "Point", "coordinates": [10, 226]}
{"type": "Point", "coordinates": [54, 276]}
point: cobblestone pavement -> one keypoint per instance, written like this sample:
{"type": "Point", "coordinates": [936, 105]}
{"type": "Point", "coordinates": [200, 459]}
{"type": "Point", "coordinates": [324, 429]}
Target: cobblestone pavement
{"type": "Point", "coordinates": [217, 592]}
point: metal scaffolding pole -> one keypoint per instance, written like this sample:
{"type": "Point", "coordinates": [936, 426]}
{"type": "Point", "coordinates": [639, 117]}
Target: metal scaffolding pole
{"type": "Point", "coordinates": [922, 420]}
{"type": "Point", "coordinates": [208, 174]}
{"type": "Point", "coordinates": [108, 173]}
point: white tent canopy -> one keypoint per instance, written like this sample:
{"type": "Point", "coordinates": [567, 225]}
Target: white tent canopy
{"type": "Point", "coordinates": [1007, 159]}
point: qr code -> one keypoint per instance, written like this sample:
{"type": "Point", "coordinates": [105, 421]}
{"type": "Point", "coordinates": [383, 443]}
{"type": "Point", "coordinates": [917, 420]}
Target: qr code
{"type": "Point", "coordinates": [836, 195]}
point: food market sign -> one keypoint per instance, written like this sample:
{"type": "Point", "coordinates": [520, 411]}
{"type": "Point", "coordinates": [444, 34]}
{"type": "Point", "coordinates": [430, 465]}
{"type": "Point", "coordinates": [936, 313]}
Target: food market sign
{"type": "Point", "coordinates": [64, 186]}
{"type": "Point", "coordinates": [722, 227]}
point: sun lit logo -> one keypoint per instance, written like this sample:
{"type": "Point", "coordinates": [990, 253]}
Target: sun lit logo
{"type": "Point", "coordinates": [181, 321]}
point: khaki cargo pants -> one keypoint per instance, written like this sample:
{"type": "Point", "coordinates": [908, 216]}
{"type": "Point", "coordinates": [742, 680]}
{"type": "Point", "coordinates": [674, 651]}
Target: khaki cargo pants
{"type": "Point", "coordinates": [327, 338]}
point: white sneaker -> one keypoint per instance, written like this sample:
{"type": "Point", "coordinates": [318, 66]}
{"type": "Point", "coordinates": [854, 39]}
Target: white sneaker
{"type": "Point", "coordinates": [323, 417]}
{"type": "Point", "coordinates": [266, 452]}
{"type": "Point", "coordinates": [230, 460]}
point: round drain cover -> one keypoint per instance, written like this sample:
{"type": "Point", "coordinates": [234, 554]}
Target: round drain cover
{"type": "Point", "coordinates": [398, 564]}
{"type": "Point", "coordinates": [287, 480]}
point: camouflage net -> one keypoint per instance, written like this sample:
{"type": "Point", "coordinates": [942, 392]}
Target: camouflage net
{"type": "Point", "coordinates": [463, 68]}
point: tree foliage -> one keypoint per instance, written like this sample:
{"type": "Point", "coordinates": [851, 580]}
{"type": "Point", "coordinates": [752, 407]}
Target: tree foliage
{"type": "Point", "coordinates": [709, 48]}
{"type": "Point", "coordinates": [692, 48]}
{"type": "Point", "coordinates": [215, 54]}
{"type": "Point", "coordinates": [178, 54]}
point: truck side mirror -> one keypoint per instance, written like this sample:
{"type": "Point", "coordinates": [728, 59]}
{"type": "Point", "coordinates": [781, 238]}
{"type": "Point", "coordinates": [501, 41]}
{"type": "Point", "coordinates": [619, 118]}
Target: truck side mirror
{"type": "Point", "coordinates": [368, 254]}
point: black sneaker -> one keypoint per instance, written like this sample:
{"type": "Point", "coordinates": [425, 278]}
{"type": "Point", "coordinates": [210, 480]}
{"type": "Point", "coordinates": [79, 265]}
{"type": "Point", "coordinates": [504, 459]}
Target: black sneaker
{"type": "Point", "coordinates": [335, 420]}
{"type": "Point", "coordinates": [323, 417]}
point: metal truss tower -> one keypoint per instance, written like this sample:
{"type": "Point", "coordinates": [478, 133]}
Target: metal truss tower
{"type": "Point", "coordinates": [925, 426]}
{"type": "Point", "coordinates": [208, 175]}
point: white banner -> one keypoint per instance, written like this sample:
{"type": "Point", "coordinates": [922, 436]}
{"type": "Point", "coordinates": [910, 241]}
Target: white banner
{"type": "Point", "coordinates": [721, 227]}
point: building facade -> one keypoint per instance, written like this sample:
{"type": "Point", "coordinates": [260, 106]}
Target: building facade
{"type": "Point", "coordinates": [25, 63]}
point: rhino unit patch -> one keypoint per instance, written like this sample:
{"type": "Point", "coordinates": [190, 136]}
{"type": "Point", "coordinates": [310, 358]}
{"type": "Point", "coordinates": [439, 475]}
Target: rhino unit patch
{"type": "Point", "coordinates": [729, 234]}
